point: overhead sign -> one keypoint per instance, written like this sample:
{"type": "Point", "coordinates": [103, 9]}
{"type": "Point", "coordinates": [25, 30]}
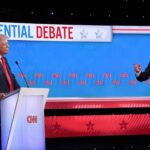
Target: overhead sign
{"type": "Point", "coordinates": [53, 32]}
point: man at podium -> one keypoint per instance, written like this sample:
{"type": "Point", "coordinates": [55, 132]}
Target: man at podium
{"type": "Point", "coordinates": [8, 83]}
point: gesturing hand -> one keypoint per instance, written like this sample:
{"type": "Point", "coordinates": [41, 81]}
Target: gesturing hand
{"type": "Point", "coordinates": [137, 68]}
{"type": "Point", "coordinates": [2, 95]}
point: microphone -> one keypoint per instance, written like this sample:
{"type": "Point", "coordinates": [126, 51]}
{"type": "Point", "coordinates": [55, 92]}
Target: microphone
{"type": "Point", "coordinates": [22, 73]}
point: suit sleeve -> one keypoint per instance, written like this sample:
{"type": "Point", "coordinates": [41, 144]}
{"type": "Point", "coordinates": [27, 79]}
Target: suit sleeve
{"type": "Point", "coordinates": [15, 83]}
{"type": "Point", "coordinates": [144, 74]}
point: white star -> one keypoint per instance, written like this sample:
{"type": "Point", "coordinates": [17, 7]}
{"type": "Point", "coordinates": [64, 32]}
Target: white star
{"type": "Point", "coordinates": [101, 33]}
{"type": "Point", "coordinates": [98, 34]}
{"type": "Point", "coordinates": [83, 34]}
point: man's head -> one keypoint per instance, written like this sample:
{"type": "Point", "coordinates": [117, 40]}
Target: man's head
{"type": "Point", "coordinates": [3, 44]}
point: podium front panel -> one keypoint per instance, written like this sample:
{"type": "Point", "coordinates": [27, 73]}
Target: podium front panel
{"type": "Point", "coordinates": [8, 107]}
{"type": "Point", "coordinates": [22, 119]}
{"type": "Point", "coordinates": [29, 129]}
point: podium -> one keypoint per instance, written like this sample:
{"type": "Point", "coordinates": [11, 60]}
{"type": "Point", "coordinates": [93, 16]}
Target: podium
{"type": "Point", "coordinates": [22, 119]}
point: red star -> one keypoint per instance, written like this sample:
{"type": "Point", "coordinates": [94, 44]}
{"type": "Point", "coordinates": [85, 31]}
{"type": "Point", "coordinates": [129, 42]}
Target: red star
{"type": "Point", "coordinates": [123, 125]}
{"type": "Point", "coordinates": [57, 126]}
{"type": "Point", "coordinates": [90, 125]}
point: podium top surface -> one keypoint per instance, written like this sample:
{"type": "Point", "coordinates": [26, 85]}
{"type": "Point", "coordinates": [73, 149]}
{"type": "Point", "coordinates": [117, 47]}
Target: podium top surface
{"type": "Point", "coordinates": [32, 91]}
{"type": "Point", "coordinates": [11, 93]}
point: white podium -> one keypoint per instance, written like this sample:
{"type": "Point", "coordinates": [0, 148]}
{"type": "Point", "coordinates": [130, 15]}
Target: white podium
{"type": "Point", "coordinates": [22, 119]}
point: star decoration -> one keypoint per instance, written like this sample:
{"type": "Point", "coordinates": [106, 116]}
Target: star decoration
{"type": "Point", "coordinates": [90, 126]}
{"type": "Point", "coordinates": [57, 126]}
{"type": "Point", "coordinates": [83, 34]}
{"type": "Point", "coordinates": [99, 34]}
{"type": "Point", "coordinates": [123, 125]}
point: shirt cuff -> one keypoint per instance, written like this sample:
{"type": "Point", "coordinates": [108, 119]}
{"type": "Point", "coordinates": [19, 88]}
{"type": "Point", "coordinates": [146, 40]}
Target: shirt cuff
{"type": "Point", "coordinates": [137, 74]}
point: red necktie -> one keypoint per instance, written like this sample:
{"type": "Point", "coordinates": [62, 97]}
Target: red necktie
{"type": "Point", "coordinates": [7, 74]}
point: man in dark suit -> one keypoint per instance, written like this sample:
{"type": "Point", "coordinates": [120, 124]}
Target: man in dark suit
{"type": "Point", "coordinates": [8, 83]}
{"type": "Point", "coordinates": [142, 75]}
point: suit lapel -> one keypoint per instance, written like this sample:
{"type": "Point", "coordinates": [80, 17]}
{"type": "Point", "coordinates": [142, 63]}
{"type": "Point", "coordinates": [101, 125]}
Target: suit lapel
{"type": "Point", "coordinates": [2, 70]}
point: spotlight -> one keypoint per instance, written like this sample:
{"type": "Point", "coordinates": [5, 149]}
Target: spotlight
{"type": "Point", "coordinates": [90, 14]}
{"type": "Point", "coordinates": [71, 14]}
{"type": "Point", "coordinates": [127, 16]}
{"type": "Point", "coordinates": [109, 15]}
{"type": "Point", "coordinates": [32, 12]}
{"type": "Point", "coordinates": [52, 13]}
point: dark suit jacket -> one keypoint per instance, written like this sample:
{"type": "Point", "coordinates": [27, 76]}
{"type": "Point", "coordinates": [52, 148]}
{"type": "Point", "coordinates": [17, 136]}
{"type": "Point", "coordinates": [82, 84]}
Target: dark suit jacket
{"type": "Point", "coordinates": [145, 74]}
{"type": "Point", "coordinates": [4, 86]}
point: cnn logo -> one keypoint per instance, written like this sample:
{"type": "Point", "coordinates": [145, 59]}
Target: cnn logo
{"type": "Point", "coordinates": [32, 119]}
